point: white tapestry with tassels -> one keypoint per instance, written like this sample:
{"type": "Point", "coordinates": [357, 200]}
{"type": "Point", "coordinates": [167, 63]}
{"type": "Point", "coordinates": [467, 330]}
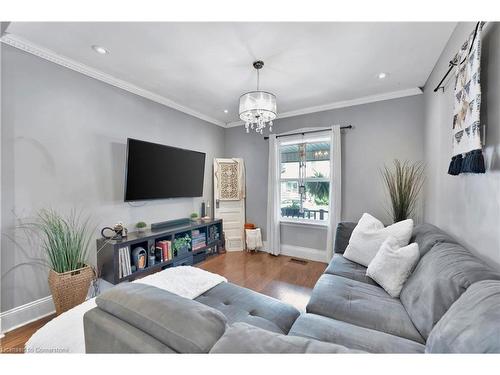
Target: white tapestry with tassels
{"type": "Point", "coordinates": [467, 148]}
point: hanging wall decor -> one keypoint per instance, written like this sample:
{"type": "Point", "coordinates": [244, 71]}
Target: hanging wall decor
{"type": "Point", "coordinates": [467, 147]}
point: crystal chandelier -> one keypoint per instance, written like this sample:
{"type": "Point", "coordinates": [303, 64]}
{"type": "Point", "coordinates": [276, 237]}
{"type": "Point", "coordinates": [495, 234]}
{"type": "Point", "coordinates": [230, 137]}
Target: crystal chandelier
{"type": "Point", "coordinates": [258, 108]}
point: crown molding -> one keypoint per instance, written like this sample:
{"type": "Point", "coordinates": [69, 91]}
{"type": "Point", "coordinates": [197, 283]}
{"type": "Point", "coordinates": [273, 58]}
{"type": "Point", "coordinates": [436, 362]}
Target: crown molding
{"type": "Point", "coordinates": [343, 104]}
{"type": "Point", "coordinates": [46, 54]}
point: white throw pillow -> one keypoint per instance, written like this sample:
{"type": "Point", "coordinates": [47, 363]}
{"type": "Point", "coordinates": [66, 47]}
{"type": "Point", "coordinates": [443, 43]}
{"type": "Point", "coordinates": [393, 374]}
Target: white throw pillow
{"type": "Point", "coordinates": [369, 234]}
{"type": "Point", "coordinates": [393, 265]}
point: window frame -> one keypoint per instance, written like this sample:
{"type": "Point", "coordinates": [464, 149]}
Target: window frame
{"type": "Point", "coordinates": [314, 138]}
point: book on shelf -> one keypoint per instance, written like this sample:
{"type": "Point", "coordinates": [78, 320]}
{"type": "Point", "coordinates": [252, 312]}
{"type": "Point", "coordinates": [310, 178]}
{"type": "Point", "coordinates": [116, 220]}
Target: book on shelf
{"type": "Point", "coordinates": [166, 250]}
{"type": "Point", "coordinates": [120, 263]}
{"type": "Point", "coordinates": [124, 265]}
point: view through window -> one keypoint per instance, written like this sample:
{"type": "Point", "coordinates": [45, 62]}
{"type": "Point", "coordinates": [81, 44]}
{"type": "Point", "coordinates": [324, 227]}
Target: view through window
{"type": "Point", "coordinates": [305, 181]}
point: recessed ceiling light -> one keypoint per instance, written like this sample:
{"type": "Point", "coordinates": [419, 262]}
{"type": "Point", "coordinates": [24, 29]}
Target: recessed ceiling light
{"type": "Point", "coordinates": [100, 50]}
{"type": "Point", "coordinates": [226, 111]}
{"type": "Point", "coordinates": [382, 75]}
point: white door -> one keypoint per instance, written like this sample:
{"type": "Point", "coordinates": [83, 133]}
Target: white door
{"type": "Point", "coordinates": [229, 198]}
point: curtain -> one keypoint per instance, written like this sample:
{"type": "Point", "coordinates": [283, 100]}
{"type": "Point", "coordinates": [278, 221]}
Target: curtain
{"type": "Point", "coordinates": [335, 189]}
{"type": "Point", "coordinates": [273, 199]}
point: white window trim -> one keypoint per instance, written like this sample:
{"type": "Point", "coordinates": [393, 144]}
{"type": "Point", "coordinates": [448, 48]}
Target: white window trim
{"type": "Point", "coordinates": [308, 138]}
{"type": "Point", "coordinates": [301, 222]}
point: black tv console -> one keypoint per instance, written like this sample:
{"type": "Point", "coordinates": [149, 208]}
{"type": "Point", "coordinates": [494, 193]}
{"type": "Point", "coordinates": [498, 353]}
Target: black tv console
{"type": "Point", "coordinates": [108, 259]}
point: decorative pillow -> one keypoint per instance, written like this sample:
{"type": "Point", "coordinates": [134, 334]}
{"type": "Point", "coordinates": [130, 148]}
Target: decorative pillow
{"type": "Point", "coordinates": [369, 235]}
{"type": "Point", "coordinates": [392, 265]}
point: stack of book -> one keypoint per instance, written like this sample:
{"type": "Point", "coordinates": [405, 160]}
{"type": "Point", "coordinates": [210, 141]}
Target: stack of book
{"type": "Point", "coordinates": [164, 251]}
{"type": "Point", "coordinates": [199, 239]}
{"type": "Point", "coordinates": [125, 267]}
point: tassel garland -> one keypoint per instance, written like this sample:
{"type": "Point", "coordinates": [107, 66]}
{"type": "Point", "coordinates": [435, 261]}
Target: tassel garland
{"type": "Point", "coordinates": [473, 162]}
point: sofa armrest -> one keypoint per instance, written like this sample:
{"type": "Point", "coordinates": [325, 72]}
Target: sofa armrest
{"type": "Point", "coordinates": [184, 325]}
{"type": "Point", "coordinates": [342, 236]}
{"type": "Point", "coordinates": [105, 333]}
{"type": "Point", "coordinates": [245, 338]}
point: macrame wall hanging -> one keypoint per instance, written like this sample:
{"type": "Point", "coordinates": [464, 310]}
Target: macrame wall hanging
{"type": "Point", "coordinates": [466, 134]}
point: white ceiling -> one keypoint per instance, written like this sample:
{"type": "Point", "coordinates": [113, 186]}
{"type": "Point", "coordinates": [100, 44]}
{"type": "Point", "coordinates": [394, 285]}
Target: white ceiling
{"type": "Point", "coordinates": [206, 66]}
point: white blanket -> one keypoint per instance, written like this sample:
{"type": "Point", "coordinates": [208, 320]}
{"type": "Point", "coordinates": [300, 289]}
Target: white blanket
{"type": "Point", "coordinates": [64, 334]}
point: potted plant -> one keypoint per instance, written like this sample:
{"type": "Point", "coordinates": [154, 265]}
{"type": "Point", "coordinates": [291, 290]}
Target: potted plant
{"type": "Point", "coordinates": [182, 245]}
{"type": "Point", "coordinates": [194, 217]}
{"type": "Point", "coordinates": [141, 226]}
{"type": "Point", "coordinates": [65, 242]}
{"type": "Point", "coordinates": [404, 184]}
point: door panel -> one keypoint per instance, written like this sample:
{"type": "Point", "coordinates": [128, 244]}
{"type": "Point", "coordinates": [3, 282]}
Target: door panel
{"type": "Point", "coordinates": [229, 200]}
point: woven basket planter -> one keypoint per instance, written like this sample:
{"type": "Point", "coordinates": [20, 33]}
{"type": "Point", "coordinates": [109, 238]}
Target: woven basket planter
{"type": "Point", "coordinates": [70, 289]}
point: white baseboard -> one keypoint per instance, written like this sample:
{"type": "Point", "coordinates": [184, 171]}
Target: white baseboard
{"type": "Point", "coordinates": [24, 314]}
{"type": "Point", "coordinates": [304, 253]}
{"type": "Point", "coordinates": [301, 252]}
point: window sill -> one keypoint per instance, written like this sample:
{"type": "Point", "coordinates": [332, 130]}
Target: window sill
{"type": "Point", "coordinates": [304, 223]}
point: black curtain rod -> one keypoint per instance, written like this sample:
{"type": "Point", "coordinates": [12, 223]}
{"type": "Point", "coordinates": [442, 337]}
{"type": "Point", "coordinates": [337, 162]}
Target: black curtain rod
{"type": "Point", "coordinates": [454, 62]}
{"type": "Point", "coordinates": [311, 131]}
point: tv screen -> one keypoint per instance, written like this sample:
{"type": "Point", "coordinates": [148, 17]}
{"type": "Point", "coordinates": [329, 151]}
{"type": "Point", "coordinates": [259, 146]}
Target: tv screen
{"type": "Point", "coordinates": [157, 171]}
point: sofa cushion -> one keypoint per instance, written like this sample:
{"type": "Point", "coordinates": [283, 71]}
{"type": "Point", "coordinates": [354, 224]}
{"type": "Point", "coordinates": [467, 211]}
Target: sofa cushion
{"type": "Point", "coordinates": [472, 324]}
{"type": "Point", "coordinates": [244, 305]}
{"type": "Point", "coordinates": [439, 279]}
{"type": "Point", "coordinates": [342, 235]}
{"type": "Point", "coordinates": [361, 304]}
{"type": "Point", "coordinates": [369, 235]}
{"type": "Point", "coordinates": [355, 337]}
{"type": "Point", "coordinates": [184, 325]}
{"type": "Point", "coordinates": [341, 266]}
{"type": "Point", "coordinates": [428, 235]}
{"type": "Point", "coordinates": [392, 265]}
{"type": "Point", "coordinates": [245, 338]}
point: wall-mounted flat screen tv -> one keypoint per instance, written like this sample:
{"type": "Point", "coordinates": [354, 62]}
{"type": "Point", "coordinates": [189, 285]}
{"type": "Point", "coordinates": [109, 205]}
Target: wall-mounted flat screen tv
{"type": "Point", "coordinates": [157, 171]}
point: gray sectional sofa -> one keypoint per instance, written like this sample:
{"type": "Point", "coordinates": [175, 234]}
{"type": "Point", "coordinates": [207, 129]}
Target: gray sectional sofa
{"type": "Point", "coordinates": [450, 304]}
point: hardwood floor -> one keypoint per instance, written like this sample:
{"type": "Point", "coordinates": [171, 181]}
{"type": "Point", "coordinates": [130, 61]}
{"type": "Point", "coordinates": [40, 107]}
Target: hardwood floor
{"type": "Point", "coordinates": [279, 277]}
{"type": "Point", "coordinates": [14, 341]}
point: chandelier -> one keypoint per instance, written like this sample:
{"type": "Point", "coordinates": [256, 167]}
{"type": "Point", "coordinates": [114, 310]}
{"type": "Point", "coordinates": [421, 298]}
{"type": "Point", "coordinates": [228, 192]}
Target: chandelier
{"type": "Point", "coordinates": [258, 108]}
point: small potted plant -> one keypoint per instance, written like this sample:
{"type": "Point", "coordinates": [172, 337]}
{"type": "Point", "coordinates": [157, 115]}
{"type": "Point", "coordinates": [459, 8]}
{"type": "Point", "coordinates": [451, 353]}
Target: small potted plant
{"type": "Point", "coordinates": [194, 217]}
{"type": "Point", "coordinates": [182, 245]}
{"type": "Point", "coordinates": [141, 227]}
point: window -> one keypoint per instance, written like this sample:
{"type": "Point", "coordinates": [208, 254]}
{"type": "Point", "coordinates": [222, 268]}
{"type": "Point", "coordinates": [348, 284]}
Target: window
{"type": "Point", "coordinates": [305, 180]}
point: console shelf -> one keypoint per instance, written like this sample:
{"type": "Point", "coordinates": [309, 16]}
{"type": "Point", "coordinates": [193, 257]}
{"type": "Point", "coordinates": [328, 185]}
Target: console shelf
{"type": "Point", "coordinates": [108, 262]}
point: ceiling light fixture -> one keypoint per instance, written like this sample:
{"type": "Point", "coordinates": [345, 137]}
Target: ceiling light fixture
{"type": "Point", "coordinates": [258, 108]}
{"type": "Point", "coordinates": [100, 50]}
{"type": "Point", "coordinates": [226, 111]}
{"type": "Point", "coordinates": [382, 75]}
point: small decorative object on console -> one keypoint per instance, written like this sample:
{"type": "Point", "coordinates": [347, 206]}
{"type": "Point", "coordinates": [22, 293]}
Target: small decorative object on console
{"type": "Point", "coordinates": [207, 213]}
{"type": "Point", "coordinates": [139, 257]}
{"type": "Point", "coordinates": [116, 233]}
{"type": "Point", "coordinates": [194, 217]}
{"type": "Point", "coordinates": [141, 226]}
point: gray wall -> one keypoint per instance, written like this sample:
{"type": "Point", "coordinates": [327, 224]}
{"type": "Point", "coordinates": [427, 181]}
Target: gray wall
{"type": "Point", "coordinates": [467, 206]}
{"type": "Point", "coordinates": [382, 132]}
{"type": "Point", "coordinates": [63, 146]}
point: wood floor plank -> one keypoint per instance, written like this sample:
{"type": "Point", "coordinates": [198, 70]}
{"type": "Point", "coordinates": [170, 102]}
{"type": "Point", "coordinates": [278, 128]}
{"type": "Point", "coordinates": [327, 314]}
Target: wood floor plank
{"type": "Point", "coordinates": [276, 276]}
